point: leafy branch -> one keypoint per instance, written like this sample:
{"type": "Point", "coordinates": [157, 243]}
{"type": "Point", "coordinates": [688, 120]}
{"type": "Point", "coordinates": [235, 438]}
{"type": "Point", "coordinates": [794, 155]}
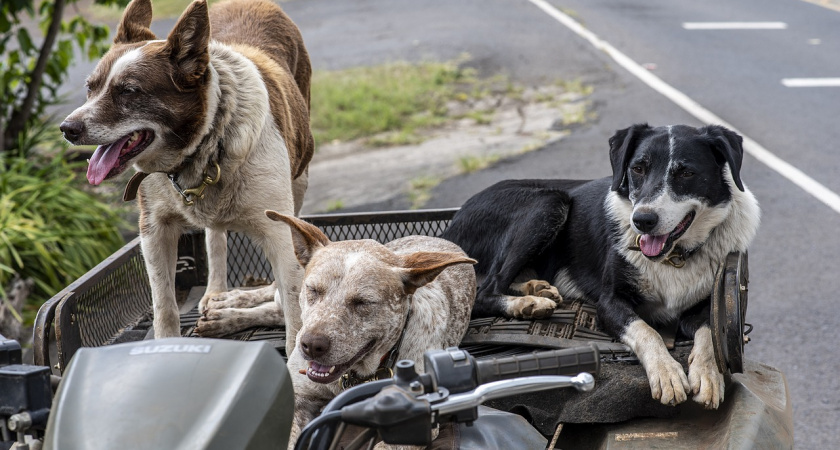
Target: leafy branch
{"type": "Point", "coordinates": [31, 71]}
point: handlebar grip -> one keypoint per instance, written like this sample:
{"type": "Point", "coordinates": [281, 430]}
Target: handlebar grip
{"type": "Point", "coordinates": [569, 361]}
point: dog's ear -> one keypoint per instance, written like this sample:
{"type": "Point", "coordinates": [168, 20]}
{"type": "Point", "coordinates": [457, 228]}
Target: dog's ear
{"type": "Point", "coordinates": [307, 238]}
{"type": "Point", "coordinates": [134, 26]}
{"type": "Point", "coordinates": [188, 45]}
{"type": "Point", "coordinates": [420, 268]}
{"type": "Point", "coordinates": [728, 147]}
{"type": "Point", "coordinates": [622, 147]}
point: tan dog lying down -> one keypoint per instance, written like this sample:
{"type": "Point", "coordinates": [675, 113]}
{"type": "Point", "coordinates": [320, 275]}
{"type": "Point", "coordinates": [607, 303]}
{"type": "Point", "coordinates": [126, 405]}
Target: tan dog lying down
{"type": "Point", "coordinates": [355, 303]}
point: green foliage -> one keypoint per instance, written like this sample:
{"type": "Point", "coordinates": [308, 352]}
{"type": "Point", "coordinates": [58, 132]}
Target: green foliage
{"type": "Point", "coordinates": [51, 230]}
{"type": "Point", "coordinates": [397, 98]}
{"type": "Point", "coordinates": [335, 205]}
{"type": "Point", "coordinates": [28, 70]}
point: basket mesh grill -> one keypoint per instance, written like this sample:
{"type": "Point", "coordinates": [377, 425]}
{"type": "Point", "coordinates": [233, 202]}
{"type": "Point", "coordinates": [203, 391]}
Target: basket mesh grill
{"type": "Point", "coordinates": [114, 300]}
{"type": "Point", "coordinates": [384, 232]}
{"type": "Point", "coordinates": [117, 301]}
{"type": "Point", "coordinates": [246, 260]}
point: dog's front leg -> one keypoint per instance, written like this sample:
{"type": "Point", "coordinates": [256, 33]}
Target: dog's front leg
{"type": "Point", "coordinates": [216, 243]}
{"type": "Point", "coordinates": [288, 277]}
{"type": "Point", "coordinates": [159, 243]}
{"type": "Point", "coordinates": [666, 376]}
{"type": "Point", "coordinates": [707, 383]}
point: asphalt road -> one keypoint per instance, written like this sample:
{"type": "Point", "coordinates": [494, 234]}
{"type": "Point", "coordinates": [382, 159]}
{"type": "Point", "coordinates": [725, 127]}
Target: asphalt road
{"type": "Point", "coordinates": [736, 74]}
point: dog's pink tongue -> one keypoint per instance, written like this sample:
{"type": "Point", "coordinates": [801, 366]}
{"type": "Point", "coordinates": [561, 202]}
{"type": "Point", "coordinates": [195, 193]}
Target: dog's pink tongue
{"type": "Point", "coordinates": [652, 245]}
{"type": "Point", "coordinates": [103, 160]}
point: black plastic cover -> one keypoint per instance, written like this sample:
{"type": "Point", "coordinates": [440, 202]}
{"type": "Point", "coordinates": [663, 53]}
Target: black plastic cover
{"type": "Point", "coordinates": [24, 388]}
{"type": "Point", "coordinates": [452, 368]}
{"type": "Point", "coordinates": [569, 362]}
{"type": "Point", "coordinates": [400, 418]}
{"type": "Point", "coordinates": [9, 351]}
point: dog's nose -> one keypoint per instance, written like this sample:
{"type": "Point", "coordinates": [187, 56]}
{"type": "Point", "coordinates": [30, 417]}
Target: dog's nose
{"type": "Point", "coordinates": [72, 129]}
{"type": "Point", "coordinates": [314, 345]}
{"type": "Point", "coordinates": [645, 221]}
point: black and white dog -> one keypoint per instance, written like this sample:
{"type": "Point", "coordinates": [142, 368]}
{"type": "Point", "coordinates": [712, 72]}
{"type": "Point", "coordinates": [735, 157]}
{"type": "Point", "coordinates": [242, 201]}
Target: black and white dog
{"type": "Point", "coordinates": [644, 245]}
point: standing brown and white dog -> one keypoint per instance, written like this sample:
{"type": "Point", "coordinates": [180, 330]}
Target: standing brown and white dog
{"type": "Point", "coordinates": [364, 303]}
{"type": "Point", "coordinates": [217, 115]}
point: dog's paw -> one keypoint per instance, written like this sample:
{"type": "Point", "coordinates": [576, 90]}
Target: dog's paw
{"type": "Point", "coordinates": [707, 384]}
{"type": "Point", "coordinates": [668, 382]}
{"type": "Point", "coordinates": [216, 323]}
{"type": "Point", "coordinates": [542, 288]}
{"type": "Point", "coordinates": [530, 307]}
{"type": "Point", "coordinates": [236, 298]}
{"type": "Point", "coordinates": [208, 301]}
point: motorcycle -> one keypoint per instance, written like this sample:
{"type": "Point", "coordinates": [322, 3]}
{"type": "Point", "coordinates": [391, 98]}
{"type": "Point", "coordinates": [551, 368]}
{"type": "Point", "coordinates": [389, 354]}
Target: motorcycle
{"type": "Point", "coordinates": [238, 395]}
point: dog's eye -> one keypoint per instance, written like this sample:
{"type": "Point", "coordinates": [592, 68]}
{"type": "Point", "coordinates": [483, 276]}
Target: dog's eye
{"type": "Point", "coordinates": [686, 174]}
{"type": "Point", "coordinates": [314, 292]}
{"type": "Point", "coordinates": [637, 169]}
{"type": "Point", "coordinates": [128, 90]}
{"type": "Point", "coordinates": [358, 302]}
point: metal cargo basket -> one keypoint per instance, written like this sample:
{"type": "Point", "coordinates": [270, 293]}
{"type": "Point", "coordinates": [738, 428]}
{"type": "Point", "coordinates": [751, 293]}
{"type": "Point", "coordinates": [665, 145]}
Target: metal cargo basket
{"type": "Point", "coordinates": [112, 302]}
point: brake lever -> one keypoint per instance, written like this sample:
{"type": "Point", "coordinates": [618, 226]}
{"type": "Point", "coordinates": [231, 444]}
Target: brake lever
{"type": "Point", "coordinates": [583, 382]}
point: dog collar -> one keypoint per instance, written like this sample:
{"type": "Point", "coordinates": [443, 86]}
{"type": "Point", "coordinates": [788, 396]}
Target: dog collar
{"type": "Point", "coordinates": [188, 195]}
{"type": "Point", "coordinates": [386, 363]}
{"type": "Point", "coordinates": [133, 186]}
{"type": "Point", "coordinates": [676, 257]}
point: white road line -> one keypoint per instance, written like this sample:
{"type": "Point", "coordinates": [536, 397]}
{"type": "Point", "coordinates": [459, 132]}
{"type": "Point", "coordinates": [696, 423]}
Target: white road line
{"type": "Point", "coordinates": [734, 25]}
{"type": "Point", "coordinates": [811, 82]}
{"type": "Point", "coordinates": [796, 176]}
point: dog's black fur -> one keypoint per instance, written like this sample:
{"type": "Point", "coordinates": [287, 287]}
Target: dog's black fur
{"type": "Point", "coordinates": [577, 234]}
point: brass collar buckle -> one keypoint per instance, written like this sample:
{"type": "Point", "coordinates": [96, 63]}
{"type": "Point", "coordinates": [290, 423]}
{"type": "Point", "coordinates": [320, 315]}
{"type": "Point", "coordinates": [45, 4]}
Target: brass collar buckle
{"type": "Point", "coordinates": [190, 195]}
{"type": "Point", "coordinates": [675, 258]}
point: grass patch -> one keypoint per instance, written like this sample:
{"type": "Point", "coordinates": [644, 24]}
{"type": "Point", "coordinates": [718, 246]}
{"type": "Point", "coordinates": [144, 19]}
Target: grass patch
{"type": "Point", "coordinates": [574, 117]}
{"type": "Point", "coordinates": [160, 9]}
{"type": "Point", "coordinates": [530, 147]}
{"type": "Point", "coordinates": [397, 99]}
{"type": "Point", "coordinates": [335, 205]}
{"type": "Point", "coordinates": [393, 138]}
{"type": "Point", "coordinates": [471, 163]}
{"type": "Point", "coordinates": [575, 86]}
{"type": "Point", "coordinates": [420, 190]}
{"type": "Point", "coordinates": [577, 115]}
{"type": "Point", "coordinates": [480, 117]}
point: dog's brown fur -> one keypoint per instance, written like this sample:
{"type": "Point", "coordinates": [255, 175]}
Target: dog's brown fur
{"type": "Point", "coordinates": [230, 86]}
{"type": "Point", "coordinates": [278, 51]}
{"type": "Point", "coordinates": [355, 301]}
